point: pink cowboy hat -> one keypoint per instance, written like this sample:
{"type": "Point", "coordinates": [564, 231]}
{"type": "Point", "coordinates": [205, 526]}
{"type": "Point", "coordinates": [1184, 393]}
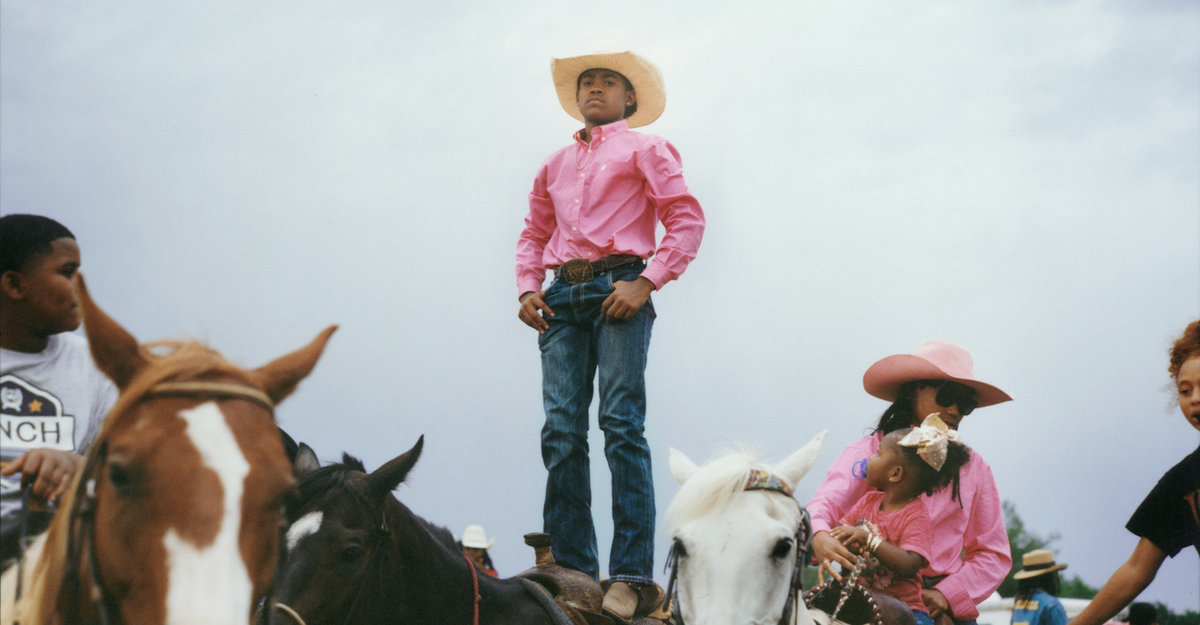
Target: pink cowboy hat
{"type": "Point", "coordinates": [935, 360]}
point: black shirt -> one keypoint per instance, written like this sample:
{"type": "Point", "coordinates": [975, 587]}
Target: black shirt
{"type": "Point", "coordinates": [1170, 515]}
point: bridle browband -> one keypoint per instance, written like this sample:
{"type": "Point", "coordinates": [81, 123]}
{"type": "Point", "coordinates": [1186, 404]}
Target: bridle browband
{"type": "Point", "coordinates": [761, 480]}
{"type": "Point", "coordinates": [83, 511]}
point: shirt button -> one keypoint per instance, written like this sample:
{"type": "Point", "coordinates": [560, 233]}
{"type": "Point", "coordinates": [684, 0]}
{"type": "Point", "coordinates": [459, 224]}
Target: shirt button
{"type": "Point", "coordinates": [576, 200]}
{"type": "Point", "coordinates": [603, 167]}
{"type": "Point", "coordinates": [603, 139]}
{"type": "Point", "coordinates": [582, 175]}
{"type": "Point", "coordinates": [573, 228]}
{"type": "Point", "coordinates": [589, 253]}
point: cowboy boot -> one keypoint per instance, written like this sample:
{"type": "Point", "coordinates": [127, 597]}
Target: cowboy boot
{"type": "Point", "coordinates": [621, 601]}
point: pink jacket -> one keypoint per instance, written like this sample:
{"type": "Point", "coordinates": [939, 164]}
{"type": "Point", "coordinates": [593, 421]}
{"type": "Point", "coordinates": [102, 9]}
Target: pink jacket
{"type": "Point", "coordinates": [974, 529]}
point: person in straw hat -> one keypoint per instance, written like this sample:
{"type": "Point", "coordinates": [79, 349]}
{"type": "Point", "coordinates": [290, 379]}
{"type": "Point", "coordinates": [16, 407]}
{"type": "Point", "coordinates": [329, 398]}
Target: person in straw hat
{"type": "Point", "coordinates": [1036, 601]}
{"type": "Point", "coordinates": [475, 545]}
{"type": "Point", "coordinates": [969, 553]}
{"type": "Point", "coordinates": [592, 217]}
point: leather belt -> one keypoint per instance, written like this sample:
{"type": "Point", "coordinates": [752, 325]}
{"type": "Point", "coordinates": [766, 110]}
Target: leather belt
{"type": "Point", "coordinates": [581, 270]}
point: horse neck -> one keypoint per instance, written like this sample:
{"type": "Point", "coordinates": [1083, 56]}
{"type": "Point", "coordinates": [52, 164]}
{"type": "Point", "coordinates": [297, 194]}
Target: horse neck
{"type": "Point", "coordinates": [440, 588]}
{"type": "Point", "coordinates": [435, 582]}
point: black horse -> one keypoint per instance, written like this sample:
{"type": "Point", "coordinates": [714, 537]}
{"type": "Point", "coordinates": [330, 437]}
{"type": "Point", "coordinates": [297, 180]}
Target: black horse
{"type": "Point", "coordinates": [358, 555]}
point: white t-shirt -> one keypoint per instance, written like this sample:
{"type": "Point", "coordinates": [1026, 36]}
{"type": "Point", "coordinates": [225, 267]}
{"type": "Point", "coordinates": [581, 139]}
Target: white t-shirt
{"type": "Point", "coordinates": [56, 398]}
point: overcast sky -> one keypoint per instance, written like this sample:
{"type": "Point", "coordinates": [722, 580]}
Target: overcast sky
{"type": "Point", "coordinates": [1022, 178]}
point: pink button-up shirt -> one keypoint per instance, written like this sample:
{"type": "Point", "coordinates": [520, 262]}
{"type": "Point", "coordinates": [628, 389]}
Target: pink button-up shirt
{"type": "Point", "coordinates": [591, 201]}
{"type": "Point", "coordinates": [974, 529]}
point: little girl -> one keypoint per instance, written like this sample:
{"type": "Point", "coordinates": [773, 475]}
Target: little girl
{"type": "Point", "coordinates": [891, 522]}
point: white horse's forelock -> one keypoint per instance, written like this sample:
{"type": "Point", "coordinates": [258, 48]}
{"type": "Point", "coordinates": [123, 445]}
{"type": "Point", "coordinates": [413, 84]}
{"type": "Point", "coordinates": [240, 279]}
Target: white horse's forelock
{"type": "Point", "coordinates": [713, 487]}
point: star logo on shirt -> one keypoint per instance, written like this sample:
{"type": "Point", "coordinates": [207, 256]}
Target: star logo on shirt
{"type": "Point", "coordinates": [35, 406]}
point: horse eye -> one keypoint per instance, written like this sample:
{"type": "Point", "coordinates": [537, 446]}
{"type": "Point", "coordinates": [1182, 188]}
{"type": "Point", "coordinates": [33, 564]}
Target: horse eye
{"type": "Point", "coordinates": [120, 478]}
{"type": "Point", "coordinates": [351, 553]}
{"type": "Point", "coordinates": [782, 549]}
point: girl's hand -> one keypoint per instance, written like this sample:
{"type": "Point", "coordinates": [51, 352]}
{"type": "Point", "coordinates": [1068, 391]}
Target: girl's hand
{"type": "Point", "coordinates": [854, 538]}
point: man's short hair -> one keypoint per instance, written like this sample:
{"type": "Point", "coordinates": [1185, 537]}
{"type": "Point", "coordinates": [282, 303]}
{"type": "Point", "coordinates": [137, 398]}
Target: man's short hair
{"type": "Point", "coordinates": [25, 237]}
{"type": "Point", "coordinates": [1142, 613]}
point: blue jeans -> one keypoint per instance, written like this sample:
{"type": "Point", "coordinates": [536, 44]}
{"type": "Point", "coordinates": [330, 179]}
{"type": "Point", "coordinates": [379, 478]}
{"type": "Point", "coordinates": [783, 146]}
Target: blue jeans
{"type": "Point", "coordinates": [578, 345]}
{"type": "Point", "coordinates": [922, 617]}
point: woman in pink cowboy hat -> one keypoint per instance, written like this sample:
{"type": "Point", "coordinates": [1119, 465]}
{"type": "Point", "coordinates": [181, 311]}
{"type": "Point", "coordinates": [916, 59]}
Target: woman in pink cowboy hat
{"type": "Point", "coordinates": [969, 555]}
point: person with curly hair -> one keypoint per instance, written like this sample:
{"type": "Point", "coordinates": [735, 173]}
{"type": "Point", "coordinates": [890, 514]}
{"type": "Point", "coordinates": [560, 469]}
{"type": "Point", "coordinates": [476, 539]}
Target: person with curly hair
{"type": "Point", "coordinates": [1169, 518]}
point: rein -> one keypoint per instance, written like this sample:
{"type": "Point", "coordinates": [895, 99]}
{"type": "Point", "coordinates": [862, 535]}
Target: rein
{"type": "Point", "coordinates": [83, 511]}
{"type": "Point", "coordinates": [760, 480]}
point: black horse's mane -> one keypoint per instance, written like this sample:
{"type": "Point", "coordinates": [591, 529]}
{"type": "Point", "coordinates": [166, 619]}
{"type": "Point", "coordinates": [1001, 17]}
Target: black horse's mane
{"type": "Point", "coordinates": [337, 476]}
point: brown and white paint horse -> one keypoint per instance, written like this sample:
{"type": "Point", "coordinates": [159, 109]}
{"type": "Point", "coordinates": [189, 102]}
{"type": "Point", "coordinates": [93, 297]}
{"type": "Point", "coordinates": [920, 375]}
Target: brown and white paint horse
{"type": "Point", "coordinates": [175, 517]}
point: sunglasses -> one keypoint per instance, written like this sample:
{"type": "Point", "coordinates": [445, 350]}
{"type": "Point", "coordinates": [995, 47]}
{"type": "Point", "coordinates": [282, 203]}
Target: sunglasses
{"type": "Point", "coordinates": [950, 394]}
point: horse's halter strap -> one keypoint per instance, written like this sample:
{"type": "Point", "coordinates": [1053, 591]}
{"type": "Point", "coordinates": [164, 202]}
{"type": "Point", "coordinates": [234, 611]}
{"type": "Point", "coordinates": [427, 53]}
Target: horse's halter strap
{"type": "Point", "coordinates": [222, 390]}
{"type": "Point", "coordinates": [762, 480]}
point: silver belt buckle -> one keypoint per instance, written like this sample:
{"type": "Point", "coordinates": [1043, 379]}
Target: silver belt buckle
{"type": "Point", "coordinates": [577, 271]}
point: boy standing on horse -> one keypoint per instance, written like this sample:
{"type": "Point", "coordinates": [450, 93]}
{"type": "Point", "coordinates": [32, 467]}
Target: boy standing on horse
{"type": "Point", "coordinates": [52, 397]}
{"type": "Point", "coordinates": [592, 217]}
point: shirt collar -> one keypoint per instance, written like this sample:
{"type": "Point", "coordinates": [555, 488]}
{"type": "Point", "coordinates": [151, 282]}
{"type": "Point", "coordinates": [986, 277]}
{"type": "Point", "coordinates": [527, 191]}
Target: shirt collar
{"type": "Point", "coordinates": [606, 130]}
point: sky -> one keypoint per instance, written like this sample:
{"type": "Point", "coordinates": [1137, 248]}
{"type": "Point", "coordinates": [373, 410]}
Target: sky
{"type": "Point", "coordinates": [1018, 177]}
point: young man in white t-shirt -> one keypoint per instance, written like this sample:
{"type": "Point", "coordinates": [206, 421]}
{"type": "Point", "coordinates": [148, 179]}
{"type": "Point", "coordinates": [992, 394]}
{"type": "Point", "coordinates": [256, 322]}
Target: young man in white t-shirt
{"type": "Point", "coordinates": [52, 397]}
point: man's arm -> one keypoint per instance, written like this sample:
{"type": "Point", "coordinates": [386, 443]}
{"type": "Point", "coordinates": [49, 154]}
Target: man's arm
{"type": "Point", "coordinates": [675, 207]}
{"type": "Point", "coordinates": [1125, 584]}
{"type": "Point", "coordinates": [50, 470]}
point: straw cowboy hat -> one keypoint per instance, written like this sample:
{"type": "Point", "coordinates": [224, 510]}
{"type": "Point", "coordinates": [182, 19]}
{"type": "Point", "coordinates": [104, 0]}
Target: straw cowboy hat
{"type": "Point", "coordinates": [475, 538]}
{"type": "Point", "coordinates": [1037, 562]}
{"type": "Point", "coordinates": [647, 81]}
{"type": "Point", "coordinates": [935, 360]}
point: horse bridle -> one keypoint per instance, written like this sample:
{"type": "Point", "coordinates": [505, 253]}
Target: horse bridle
{"type": "Point", "coordinates": [760, 480]}
{"type": "Point", "coordinates": [83, 511]}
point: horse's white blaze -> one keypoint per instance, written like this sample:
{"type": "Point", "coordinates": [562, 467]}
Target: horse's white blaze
{"type": "Point", "coordinates": [304, 526]}
{"type": "Point", "coordinates": [211, 584]}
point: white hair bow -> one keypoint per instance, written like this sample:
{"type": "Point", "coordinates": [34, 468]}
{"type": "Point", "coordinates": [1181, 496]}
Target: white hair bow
{"type": "Point", "coordinates": [931, 440]}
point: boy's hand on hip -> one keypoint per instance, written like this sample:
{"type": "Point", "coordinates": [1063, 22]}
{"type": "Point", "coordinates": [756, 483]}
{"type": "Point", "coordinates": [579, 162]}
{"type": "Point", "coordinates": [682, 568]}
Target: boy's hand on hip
{"type": "Point", "coordinates": [626, 299]}
{"type": "Point", "coordinates": [531, 303]}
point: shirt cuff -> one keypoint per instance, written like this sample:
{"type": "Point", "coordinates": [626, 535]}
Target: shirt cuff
{"type": "Point", "coordinates": [960, 601]}
{"type": "Point", "coordinates": [525, 286]}
{"type": "Point", "coordinates": [656, 273]}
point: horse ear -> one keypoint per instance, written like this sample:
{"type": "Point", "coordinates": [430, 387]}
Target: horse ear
{"type": "Point", "coordinates": [682, 467]}
{"type": "Point", "coordinates": [306, 461]}
{"type": "Point", "coordinates": [385, 479]}
{"type": "Point", "coordinates": [114, 349]}
{"type": "Point", "coordinates": [281, 376]}
{"type": "Point", "coordinates": [797, 465]}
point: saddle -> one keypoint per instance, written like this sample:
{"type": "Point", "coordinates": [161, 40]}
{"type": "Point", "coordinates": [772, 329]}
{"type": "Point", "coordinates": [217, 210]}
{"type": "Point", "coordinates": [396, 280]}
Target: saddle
{"type": "Point", "coordinates": [575, 595]}
{"type": "Point", "coordinates": [834, 603]}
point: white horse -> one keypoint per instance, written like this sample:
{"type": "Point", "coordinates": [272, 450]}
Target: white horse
{"type": "Point", "coordinates": [735, 526]}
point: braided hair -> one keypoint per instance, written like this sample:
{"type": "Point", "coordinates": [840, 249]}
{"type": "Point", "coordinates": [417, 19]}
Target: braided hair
{"type": "Point", "coordinates": [931, 480]}
{"type": "Point", "coordinates": [903, 412]}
